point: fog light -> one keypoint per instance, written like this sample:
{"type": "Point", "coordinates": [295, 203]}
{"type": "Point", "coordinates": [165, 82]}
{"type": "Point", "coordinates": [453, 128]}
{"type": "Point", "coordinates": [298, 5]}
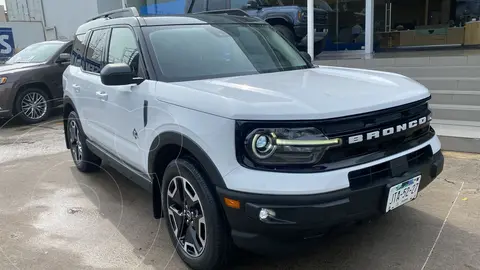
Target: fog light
{"type": "Point", "coordinates": [266, 213]}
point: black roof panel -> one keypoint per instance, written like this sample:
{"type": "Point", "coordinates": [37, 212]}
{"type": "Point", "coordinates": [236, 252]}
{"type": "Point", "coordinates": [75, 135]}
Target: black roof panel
{"type": "Point", "coordinates": [198, 19]}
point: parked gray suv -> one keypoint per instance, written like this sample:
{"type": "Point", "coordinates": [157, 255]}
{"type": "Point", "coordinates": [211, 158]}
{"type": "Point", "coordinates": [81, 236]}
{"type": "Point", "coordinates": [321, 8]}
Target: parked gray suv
{"type": "Point", "coordinates": [31, 81]}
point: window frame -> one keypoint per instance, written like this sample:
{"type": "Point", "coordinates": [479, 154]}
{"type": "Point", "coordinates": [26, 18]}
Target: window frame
{"type": "Point", "coordinates": [89, 37]}
{"type": "Point", "coordinates": [141, 63]}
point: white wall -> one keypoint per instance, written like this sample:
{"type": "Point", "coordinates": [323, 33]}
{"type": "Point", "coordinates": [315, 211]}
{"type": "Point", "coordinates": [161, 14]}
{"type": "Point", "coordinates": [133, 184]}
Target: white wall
{"type": "Point", "coordinates": [24, 10]}
{"type": "Point", "coordinates": [25, 33]}
{"type": "Point", "coordinates": [67, 15]}
{"type": "Point", "coordinates": [3, 18]}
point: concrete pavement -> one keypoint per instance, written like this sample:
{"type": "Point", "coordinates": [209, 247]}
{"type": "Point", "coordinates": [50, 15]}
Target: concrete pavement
{"type": "Point", "coordinates": [54, 217]}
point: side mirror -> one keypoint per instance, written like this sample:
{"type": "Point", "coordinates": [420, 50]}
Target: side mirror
{"type": "Point", "coordinates": [306, 56]}
{"type": "Point", "coordinates": [118, 74]}
{"type": "Point", "coordinates": [63, 58]}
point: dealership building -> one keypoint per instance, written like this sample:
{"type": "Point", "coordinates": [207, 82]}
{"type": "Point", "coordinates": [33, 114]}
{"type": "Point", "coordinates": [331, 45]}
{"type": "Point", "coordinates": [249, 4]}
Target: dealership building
{"type": "Point", "coordinates": [354, 26]}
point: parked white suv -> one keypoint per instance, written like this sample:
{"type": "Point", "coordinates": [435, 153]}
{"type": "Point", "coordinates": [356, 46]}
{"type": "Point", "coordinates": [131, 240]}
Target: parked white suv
{"type": "Point", "coordinates": [240, 139]}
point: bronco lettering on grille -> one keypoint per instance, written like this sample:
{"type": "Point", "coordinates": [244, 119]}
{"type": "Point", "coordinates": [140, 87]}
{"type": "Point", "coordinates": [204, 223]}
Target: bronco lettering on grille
{"type": "Point", "coordinates": [389, 131]}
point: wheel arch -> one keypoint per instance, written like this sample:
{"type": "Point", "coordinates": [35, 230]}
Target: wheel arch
{"type": "Point", "coordinates": [170, 145]}
{"type": "Point", "coordinates": [67, 108]}
{"type": "Point", "coordinates": [283, 20]}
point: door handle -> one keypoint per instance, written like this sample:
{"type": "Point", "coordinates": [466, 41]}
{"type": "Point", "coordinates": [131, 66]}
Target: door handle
{"type": "Point", "coordinates": [102, 95]}
{"type": "Point", "coordinates": [76, 87]}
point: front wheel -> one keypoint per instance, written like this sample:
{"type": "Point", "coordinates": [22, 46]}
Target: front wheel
{"type": "Point", "coordinates": [193, 218]}
{"type": "Point", "coordinates": [32, 105]}
{"type": "Point", "coordinates": [318, 47]}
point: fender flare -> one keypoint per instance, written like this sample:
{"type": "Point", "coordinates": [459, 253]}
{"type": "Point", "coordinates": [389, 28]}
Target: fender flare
{"type": "Point", "coordinates": [175, 138]}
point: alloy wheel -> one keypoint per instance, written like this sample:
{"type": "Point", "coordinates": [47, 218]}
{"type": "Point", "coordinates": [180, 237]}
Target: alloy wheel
{"type": "Point", "coordinates": [75, 143]}
{"type": "Point", "coordinates": [34, 105]}
{"type": "Point", "coordinates": [186, 216]}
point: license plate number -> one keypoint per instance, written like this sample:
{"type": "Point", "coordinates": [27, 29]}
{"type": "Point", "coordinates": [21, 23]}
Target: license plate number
{"type": "Point", "coordinates": [402, 193]}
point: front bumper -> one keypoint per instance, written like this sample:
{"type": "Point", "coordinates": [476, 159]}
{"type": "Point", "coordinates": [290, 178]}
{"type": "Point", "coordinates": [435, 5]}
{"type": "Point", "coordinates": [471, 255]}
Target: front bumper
{"type": "Point", "coordinates": [301, 217]}
{"type": "Point", "coordinates": [5, 114]}
{"type": "Point", "coordinates": [5, 101]}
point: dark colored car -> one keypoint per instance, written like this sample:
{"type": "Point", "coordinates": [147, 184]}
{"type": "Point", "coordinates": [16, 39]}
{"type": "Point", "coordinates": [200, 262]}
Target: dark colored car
{"type": "Point", "coordinates": [31, 81]}
{"type": "Point", "coordinates": [289, 20]}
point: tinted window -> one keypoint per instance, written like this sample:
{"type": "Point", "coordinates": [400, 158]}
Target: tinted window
{"type": "Point", "coordinates": [198, 5]}
{"type": "Point", "coordinates": [95, 50]}
{"type": "Point", "coordinates": [123, 49]}
{"type": "Point", "coordinates": [36, 53]}
{"type": "Point", "coordinates": [78, 50]}
{"type": "Point", "coordinates": [242, 4]}
{"type": "Point", "coordinates": [68, 49]}
{"type": "Point", "coordinates": [217, 4]}
{"type": "Point", "coordinates": [221, 50]}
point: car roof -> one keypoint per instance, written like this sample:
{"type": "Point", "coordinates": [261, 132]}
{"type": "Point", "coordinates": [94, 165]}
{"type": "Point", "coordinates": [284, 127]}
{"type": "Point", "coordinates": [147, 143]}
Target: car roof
{"type": "Point", "coordinates": [164, 20]}
{"type": "Point", "coordinates": [53, 42]}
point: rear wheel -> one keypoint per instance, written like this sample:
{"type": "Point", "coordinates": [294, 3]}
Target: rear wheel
{"type": "Point", "coordinates": [193, 218]}
{"type": "Point", "coordinates": [286, 32]}
{"type": "Point", "coordinates": [84, 159]}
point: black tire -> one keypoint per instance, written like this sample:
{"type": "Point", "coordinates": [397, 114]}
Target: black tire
{"type": "Point", "coordinates": [217, 246]}
{"type": "Point", "coordinates": [84, 159]}
{"type": "Point", "coordinates": [286, 32]}
{"type": "Point", "coordinates": [38, 111]}
{"type": "Point", "coordinates": [318, 47]}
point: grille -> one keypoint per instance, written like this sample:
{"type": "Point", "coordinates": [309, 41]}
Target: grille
{"type": "Point", "coordinates": [363, 124]}
{"type": "Point", "coordinates": [381, 172]}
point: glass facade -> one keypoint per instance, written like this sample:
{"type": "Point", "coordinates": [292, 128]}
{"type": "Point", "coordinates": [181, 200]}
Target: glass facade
{"type": "Point", "coordinates": [395, 24]}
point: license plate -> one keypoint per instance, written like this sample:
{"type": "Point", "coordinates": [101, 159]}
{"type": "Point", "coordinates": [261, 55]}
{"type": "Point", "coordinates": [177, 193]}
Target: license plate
{"type": "Point", "coordinates": [402, 193]}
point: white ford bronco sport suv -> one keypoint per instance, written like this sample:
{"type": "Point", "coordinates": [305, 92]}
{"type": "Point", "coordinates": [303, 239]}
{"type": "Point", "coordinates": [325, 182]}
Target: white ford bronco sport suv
{"type": "Point", "coordinates": [239, 138]}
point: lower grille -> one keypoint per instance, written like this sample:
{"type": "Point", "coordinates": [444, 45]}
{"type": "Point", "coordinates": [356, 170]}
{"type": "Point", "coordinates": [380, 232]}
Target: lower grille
{"type": "Point", "coordinates": [382, 172]}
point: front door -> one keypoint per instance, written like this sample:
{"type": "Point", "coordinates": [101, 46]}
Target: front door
{"type": "Point", "coordinates": [126, 103]}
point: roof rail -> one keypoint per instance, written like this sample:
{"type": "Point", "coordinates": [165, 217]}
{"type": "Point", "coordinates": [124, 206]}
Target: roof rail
{"type": "Point", "coordinates": [118, 13]}
{"type": "Point", "coordinates": [233, 12]}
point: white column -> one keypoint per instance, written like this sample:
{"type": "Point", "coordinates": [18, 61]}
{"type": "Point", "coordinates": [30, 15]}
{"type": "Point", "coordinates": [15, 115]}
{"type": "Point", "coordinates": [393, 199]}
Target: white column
{"type": "Point", "coordinates": [369, 31]}
{"type": "Point", "coordinates": [124, 3]}
{"type": "Point", "coordinates": [310, 30]}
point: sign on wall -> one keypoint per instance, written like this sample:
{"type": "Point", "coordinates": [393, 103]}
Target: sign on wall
{"type": "Point", "coordinates": [7, 44]}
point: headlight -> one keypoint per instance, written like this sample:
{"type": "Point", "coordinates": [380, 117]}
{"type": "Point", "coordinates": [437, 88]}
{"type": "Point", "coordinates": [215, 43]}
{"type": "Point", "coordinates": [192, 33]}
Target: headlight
{"type": "Point", "coordinates": [302, 15]}
{"type": "Point", "coordinates": [284, 146]}
{"type": "Point", "coordinates": [3, 80]}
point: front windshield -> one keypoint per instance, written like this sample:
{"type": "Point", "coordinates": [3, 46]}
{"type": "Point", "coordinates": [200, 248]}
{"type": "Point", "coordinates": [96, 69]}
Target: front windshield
{"type": "Point", "coordinates": [36, 53]}
{"type": "Point", "coordinates": [194, 52]}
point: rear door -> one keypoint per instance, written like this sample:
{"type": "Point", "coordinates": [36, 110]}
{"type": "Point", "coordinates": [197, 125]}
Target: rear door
{"type": "Point", "coordinates": [71, 82]}
{"type": "Point", "coordinates": [93, 93]}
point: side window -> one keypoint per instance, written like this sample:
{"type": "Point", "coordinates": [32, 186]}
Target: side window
{"type": "Point", "coordinates": [78, 50]}
{"type": "Point", "coordinates": [95, 50]}
{"type": "Point", "coordinates": [124, 49]}
{"type": "Point", "coordinates": [217, 4]}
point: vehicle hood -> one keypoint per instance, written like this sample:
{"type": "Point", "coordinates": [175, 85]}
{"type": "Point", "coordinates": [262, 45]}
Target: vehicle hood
{"type": "Point", "coordinates": [16, 67]}
{"type": "Point", "coordinates": [317, 93]}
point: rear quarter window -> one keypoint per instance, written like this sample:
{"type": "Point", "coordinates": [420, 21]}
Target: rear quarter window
{"type": "Point", "coordinates": [78, 50]}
